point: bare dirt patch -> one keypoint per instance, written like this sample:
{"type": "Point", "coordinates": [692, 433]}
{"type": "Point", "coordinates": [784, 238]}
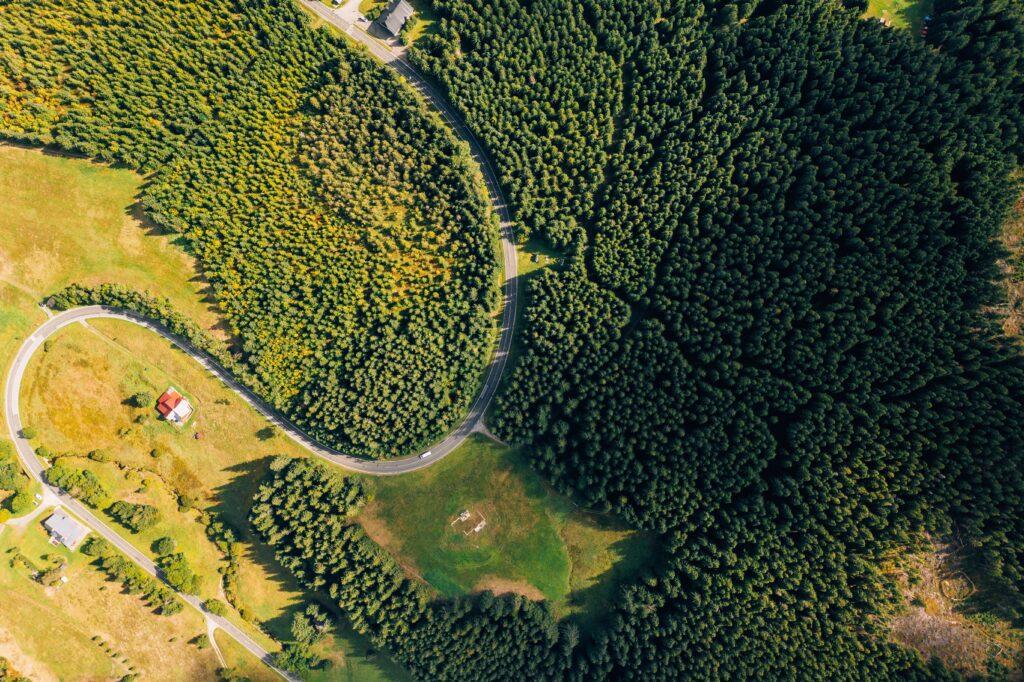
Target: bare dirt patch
{"type": "Point", "coordinates": [938, 620]}
{"type": "Point", "coordinates": [505, 586]}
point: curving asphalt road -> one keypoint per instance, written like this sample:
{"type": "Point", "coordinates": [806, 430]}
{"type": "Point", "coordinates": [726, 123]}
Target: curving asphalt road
{"type": "Point", "coordinates": [53, 496]}
{"type": "Point", "coordinates": [391, 467]}
{"type": "Point", "coordinates": [474, 419]}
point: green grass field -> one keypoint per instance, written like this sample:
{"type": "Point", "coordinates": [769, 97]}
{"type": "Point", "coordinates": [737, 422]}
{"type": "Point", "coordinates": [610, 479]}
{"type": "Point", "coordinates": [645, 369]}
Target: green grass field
{"type": "Point", "coordinates": [144, 487]}
{"type": "Point", "coordinates": [47, 632]}
{"type": "Point", "coordinates": [91, 235]}
{"type": "Point", "coordinates": [535, 542]}
{"type": "Point", "coordinates": [900, 13]}
{"type": "Point", "coordinates": [74, 396]}
{"type": "Point", "coordinates": [74, 392]}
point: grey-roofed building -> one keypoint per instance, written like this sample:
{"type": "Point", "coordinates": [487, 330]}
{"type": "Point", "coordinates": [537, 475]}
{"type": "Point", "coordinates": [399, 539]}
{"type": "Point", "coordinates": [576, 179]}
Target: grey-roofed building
{"type": "Point", "coordinates": [65, 529]}
{"type": "Point", "coordinates": [395, 15]}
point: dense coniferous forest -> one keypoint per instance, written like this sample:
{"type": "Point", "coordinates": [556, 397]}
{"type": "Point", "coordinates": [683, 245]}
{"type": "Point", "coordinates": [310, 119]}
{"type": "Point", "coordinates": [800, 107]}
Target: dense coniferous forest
{"type": "Point", "coordinates": [768, 342]}
{"type": "Point", "coordinates": [341, 227]}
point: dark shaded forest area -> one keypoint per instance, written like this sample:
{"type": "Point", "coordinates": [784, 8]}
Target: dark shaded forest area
{"type": "Point", "coordinates": [768, 342]}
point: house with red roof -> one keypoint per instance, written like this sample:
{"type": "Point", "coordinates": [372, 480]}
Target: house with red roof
{"type": "Point", "coordinates": [174, 407]}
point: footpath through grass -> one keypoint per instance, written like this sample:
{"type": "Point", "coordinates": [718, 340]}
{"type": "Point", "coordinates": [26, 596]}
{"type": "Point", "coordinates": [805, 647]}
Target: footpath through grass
{"type": "Point", "coordinates": [532, 541]}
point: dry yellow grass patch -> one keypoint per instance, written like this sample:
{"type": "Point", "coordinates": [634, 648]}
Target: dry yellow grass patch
{"type": "Point", "coordinates": [93, 234]}
{"type": "Point", "coordinates": [1012, 268]}
{"type": "Point", "coordinates": [54, 628]}
{"type": "Point", "coordinates": [22, 664]}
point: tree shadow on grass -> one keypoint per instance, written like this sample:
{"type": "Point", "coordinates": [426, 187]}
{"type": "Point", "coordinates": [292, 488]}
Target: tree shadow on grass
{"type": "Point", "coordinates": [233, 501]}
{"type": "Point", "coordinates": [636, 555]}
{"type": "Point", "coordinates": [137, 211]}
{"type": "Point", "coordinates": [208, 295]}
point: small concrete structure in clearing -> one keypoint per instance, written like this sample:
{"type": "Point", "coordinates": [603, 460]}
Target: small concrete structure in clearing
{"type": "Point", "coordinates": [463, 523]}
{"type": "Point", "coordinates": [174, 407]}
{"type": "Point", "coordinates": [65, 530]}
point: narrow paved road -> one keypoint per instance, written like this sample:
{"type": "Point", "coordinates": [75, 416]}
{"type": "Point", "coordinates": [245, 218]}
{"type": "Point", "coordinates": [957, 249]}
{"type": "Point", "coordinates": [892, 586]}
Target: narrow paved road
{"type": "Point", "coordinates": [474, 419]}
{"type": "Point", "coordinates": [54, 497]}
{"type": "Point", "coordinates": [388, 467]}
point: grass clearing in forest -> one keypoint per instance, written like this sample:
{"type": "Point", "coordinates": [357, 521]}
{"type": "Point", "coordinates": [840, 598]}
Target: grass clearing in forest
{"type": "Point", "coordinates": [86, 628]}
{"type": "Point", "coordinates": [534, 541]}
{"type": "Point", "coordinates": [1012, 268]}
{"type": "Point", "coordinates": [900, 13]}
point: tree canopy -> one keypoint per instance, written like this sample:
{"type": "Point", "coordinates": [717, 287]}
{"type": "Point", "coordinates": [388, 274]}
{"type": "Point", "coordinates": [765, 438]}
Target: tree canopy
{"type": "Point", "coordinates": [768, 340]}
{"type": "Point", "coordinates": [342, 227]}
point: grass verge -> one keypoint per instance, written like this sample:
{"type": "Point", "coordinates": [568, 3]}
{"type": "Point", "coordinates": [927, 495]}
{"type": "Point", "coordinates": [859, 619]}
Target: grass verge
{"type": "Point", "coordinates": [900, 13]}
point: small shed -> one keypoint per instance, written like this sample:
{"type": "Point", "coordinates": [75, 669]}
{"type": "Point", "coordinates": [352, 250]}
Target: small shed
{"type": "Point", "coordinates": [395, 15]}
{"type": "Point", "coordinates": [65, 530]}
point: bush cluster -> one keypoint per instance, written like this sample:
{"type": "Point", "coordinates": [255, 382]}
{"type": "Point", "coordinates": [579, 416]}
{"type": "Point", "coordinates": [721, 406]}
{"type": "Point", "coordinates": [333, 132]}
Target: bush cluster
{"type": "Point", "coordinates": [132, 578]}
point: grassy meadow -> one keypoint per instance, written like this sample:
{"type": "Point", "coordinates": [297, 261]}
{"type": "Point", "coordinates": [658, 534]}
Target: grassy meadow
{"type": "Point", "coordinates": [65, 220]}
{"type": "Point", "coordinates": [535, 542]}
{"type": "Point", "coordinates": [900, 13]}
{"type": "Point", "coordinates": [74, 392]}
{"type": "Point", "coordinates": [48, 632]}
{"type": "Point", "coordinates": [75, 396]}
